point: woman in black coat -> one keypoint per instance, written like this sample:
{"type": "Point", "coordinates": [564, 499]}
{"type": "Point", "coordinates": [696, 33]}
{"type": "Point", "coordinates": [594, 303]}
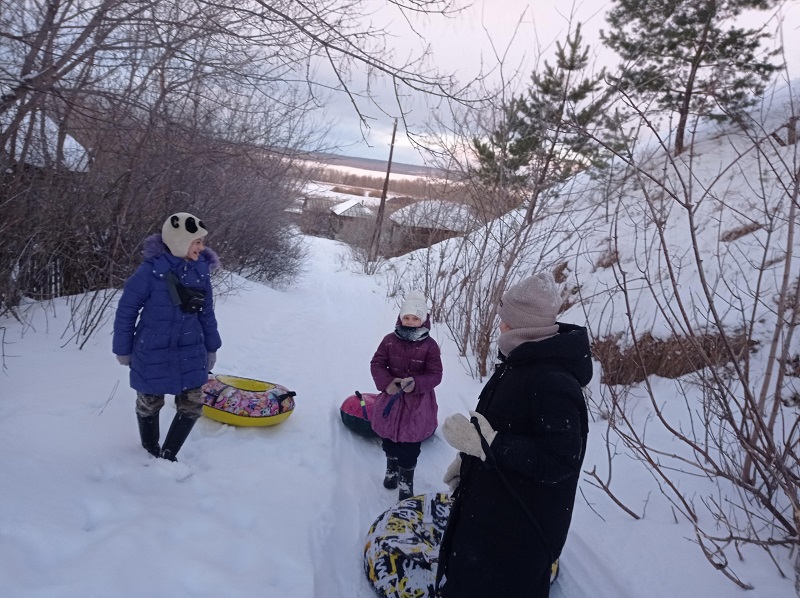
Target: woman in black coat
{"type": "Point", "coordinates": [515, 480]}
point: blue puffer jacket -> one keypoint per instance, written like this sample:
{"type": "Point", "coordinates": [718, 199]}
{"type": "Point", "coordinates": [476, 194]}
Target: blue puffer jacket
{"type": "Point", "coordinates": [168, 348]}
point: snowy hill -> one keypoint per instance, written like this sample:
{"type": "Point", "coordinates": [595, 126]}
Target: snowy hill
{"type": "Point", "coordinates": [705, 244]}
{"type": "Point", "coordinates": [686, 271]}
{"type": "Point", "coordinates": [269, 512]}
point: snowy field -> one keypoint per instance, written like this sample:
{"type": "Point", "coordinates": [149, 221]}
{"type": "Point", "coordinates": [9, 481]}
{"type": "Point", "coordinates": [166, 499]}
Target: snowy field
{"type": "Point", "coordinates": [268, 512]}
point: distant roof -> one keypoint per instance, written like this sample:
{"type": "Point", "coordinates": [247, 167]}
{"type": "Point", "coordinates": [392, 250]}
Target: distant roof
{"type": "Point", "coordinates": [43, 145]}
{"type": "Point", "coordinates": [297, 206]}
{"type": "Point", "coordinates": [354, 208]}
{"type": "Point", "coordinates": [436, 214]}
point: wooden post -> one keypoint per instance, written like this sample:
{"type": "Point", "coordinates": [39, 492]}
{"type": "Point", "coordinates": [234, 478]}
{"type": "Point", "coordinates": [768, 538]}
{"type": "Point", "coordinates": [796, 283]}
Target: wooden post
{"type": "Point", "coordinates": [376, 235]}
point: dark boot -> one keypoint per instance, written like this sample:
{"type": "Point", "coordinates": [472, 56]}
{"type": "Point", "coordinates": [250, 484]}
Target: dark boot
{"type": "Point", "coordinates": [148, 432]}
{"type": "Point", "coordinates": [177, 435]}
{"type": "Point", "coordinates": [390, 480]}
{"type": "Point", "coordinates": [405, 481]}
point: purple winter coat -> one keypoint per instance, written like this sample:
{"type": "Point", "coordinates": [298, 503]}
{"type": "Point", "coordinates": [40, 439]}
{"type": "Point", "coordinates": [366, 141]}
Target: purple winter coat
{"type": "Point", "coordinates": [413, 415]}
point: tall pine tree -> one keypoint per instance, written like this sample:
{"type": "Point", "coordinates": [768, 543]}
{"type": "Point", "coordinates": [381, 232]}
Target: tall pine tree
{"type": "Point", "coordinates": [689, 57]}
{"type": "Point", "coordinates": [545, 134]}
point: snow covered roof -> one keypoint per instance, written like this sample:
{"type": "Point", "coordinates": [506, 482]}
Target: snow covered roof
{"type": "Point", "coordinates": [436, 214]}
{"type": "Point", "coordinates": [42, 149]}
{"type": "Point", "coordinates": [354, 208]}
{"type": "Point", "coordinates": [297, 206]}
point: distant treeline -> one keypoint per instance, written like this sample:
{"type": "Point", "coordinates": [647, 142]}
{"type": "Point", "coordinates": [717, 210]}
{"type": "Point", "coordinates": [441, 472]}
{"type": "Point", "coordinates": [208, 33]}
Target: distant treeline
{"type": "Point", "coordinates": [374, 184]}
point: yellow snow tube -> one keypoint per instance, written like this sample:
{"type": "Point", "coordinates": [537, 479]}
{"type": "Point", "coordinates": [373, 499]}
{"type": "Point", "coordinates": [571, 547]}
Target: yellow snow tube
{"type": "Point", "coordinates": [246, 402]}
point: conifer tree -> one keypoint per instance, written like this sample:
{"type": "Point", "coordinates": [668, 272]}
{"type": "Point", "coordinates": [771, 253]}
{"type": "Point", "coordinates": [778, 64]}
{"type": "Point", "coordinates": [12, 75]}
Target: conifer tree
{"type": "Point", "coordinates": [544, 136]}
{"type": "Point", "coordinates": [689, 57]}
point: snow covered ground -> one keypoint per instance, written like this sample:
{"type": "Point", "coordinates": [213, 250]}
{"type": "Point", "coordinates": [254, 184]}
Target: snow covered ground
{"type": "Point", "coordinates": [270, 512]}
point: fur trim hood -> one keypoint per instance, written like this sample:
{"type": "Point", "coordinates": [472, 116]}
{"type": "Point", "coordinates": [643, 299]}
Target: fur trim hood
{"type": "Point", "coordinates": [154, 246]}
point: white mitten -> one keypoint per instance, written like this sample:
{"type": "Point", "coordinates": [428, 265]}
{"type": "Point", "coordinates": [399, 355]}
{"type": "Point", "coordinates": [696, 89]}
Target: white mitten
{"type": "Point", "coordinates": [394, 387]}
{"type": "Point", "coordinates": [453, 474]}
{"type": "Point", "coordinates": [462, 435]}
{"type": "Point", "coordinates": [486, 428]}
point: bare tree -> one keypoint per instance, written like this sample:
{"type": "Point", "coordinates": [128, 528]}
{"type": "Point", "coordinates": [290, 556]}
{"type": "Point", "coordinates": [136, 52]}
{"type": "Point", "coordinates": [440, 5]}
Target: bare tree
{"type": "Point", "coordinates": [515, 159]}
{"type": "Point", "coordinates": [179, 104]}
{"type": "Point", "coordinates": [686, 268]}
{"type": "Point", "coordinates": [701, 272]}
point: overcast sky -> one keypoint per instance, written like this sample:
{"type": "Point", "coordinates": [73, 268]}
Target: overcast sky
{"type": "Point", "coordinates": [468, 44]}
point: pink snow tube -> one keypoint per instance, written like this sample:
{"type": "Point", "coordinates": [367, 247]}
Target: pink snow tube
{"type": "Point", "coordinates": [356, 411]}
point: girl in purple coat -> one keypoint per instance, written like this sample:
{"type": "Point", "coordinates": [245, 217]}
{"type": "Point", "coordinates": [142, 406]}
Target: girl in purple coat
{"type": "Point", "coordinates": [406, 368]}
{"type": "Point", "coordinates": [165, 330]}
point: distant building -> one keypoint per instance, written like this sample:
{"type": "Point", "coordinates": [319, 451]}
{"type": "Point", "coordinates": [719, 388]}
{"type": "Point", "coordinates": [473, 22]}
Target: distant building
{"type": "Point", "coordinates": [418, 224]}
{"type": "Point", "coordinates": [298, 206]}
{"type": "Point", "coordinates": [352, 208]}
{"type": "Point", "coordinates": [46, 147]}
{"type": "Point", "coordinates": [436, 215]}
{"type": "Point", "coordinates": [424, 223]}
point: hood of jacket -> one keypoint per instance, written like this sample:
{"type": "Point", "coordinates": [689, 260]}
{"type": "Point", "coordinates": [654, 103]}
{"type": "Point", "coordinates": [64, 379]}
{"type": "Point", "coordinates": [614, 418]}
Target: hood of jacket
{"type": "Point", "coordinates": [154, 247]}
{"type": "Point", "coordinates": [569, 349]}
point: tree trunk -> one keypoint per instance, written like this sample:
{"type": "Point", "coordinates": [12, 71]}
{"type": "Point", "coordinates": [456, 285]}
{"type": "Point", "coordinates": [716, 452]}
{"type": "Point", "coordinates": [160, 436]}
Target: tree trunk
{"type": "Point", "coordinates": [680, 132]}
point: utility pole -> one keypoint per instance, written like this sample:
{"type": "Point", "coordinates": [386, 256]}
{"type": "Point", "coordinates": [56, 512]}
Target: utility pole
{"type": "Point", "coordinates": [376, 235]}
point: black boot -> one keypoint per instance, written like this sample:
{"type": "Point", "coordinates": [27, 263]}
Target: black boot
{"type": "Point", "coordinates": [148, 432]}
{"type": "Point", "coordinates": [178, 433]}
{"type": "Point", "coordinates": [405, 482]}
{"type": "Point", "coordinates": [390, 480]}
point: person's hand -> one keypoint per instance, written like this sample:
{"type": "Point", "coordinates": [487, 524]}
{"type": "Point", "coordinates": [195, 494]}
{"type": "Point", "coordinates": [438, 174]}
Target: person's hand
{"type": "Point", "coordinates": [486, 428]}
{"type": "Point", "coordinates": [453, 474]}
{"type": "Point", "coordinates": [124, 359]}
{"type": "Point", "coordinates": [394, 387]}
{"type": "Point", "coordinates": [212, 359]}
{"type": "Point", "coordinates": [408, 384]}
{"type": "Point", "coordinates": [462, 435]}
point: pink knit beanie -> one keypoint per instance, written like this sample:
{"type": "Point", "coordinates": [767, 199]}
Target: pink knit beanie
{"type": "Point", "coordinates": [532, 306]}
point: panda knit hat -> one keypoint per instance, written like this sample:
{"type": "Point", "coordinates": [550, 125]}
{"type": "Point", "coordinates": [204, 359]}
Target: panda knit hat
{"type": "Point", "coordinates": [530, 309]}
{"type": "Point", "coordinates": [415, 304]}
{"type": "Point", "coordinates": [180, 230]}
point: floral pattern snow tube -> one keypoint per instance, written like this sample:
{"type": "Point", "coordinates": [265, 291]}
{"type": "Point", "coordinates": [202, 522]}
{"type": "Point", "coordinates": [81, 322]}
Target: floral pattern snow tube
{"type": "Point", "coordinates": [246, 402]}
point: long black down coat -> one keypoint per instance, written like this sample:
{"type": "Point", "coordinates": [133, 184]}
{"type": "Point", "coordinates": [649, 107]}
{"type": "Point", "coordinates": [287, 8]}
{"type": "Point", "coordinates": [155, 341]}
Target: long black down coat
{"type": "Point", "coordinates": [493, 545]}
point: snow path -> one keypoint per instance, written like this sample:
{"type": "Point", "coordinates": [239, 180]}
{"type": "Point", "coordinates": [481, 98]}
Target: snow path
{"type": "Point", "coordinates": [272, 512]}
{"type": "Point", "coordinates": [580, 564]}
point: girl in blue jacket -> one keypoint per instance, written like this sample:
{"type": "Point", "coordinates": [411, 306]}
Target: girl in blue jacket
{"type": "Point", "coordinates": [166, 332]}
